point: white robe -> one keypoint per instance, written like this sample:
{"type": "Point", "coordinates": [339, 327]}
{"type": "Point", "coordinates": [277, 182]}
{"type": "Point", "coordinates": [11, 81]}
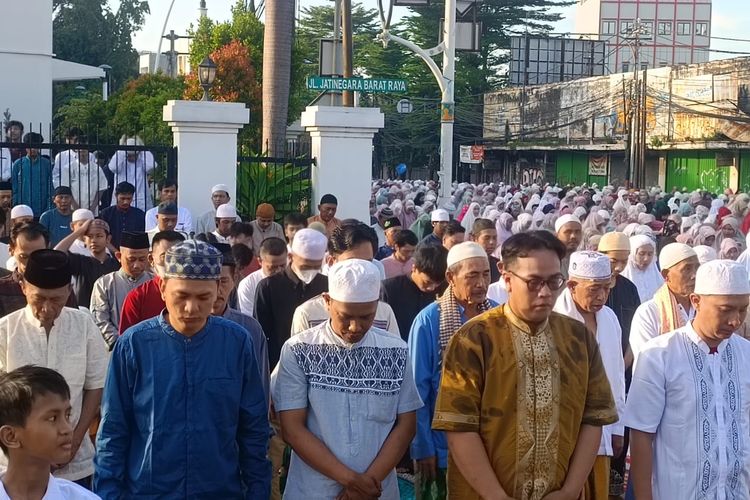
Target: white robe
{"type": "Point", "coordinates": [608, 336]}
{"type": "Point", "coordinates": [698, 407]}
{"type": "Point", "coordinates": [646, 324]}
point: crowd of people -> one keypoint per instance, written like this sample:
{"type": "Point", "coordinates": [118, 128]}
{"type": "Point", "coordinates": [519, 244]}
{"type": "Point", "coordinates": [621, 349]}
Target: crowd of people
{"type": "Point", "coordinates": [526, 342]}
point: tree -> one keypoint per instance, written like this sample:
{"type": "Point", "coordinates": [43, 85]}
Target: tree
{"type": "Point", "coordinates": [277, 70]}
{"type": "Point", "coordinates": [235, 82]}
{"type": "Point", "coordinates": [89, 32]}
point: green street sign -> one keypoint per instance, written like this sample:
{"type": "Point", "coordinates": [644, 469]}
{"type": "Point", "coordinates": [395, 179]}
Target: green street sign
{"type": "Point", "coordinates": [369, 85]}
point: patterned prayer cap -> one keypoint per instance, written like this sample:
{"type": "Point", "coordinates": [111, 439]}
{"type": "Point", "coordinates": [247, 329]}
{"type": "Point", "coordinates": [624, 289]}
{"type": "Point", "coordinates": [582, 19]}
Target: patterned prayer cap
{"type": "Point", "coordinates": [193, 260]}
{"type": "Point", "coordinates": [586, 265]}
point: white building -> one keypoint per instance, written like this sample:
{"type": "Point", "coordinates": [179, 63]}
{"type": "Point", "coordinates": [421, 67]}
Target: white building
{"type": "Point", "coordinates": [181, 60]}
{"type": "Point", "coordinates": [28, 66]}
{"type": "Point", "coordinates": [676, 31]}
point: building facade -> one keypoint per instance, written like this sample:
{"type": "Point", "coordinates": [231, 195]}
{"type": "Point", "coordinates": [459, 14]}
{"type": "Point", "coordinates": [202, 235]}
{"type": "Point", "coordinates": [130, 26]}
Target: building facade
{"type": "Point", "coordinates": [673, 32]}
{"type": "Point", "coordinates": [696, 120]}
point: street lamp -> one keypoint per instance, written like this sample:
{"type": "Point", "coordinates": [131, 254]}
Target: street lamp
{"type": "Point", "coordinates": [206, 76]}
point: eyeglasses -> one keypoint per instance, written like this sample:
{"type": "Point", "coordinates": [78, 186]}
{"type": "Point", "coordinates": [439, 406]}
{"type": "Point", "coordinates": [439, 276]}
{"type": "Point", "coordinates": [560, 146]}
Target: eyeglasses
{"type": "Point", "coordinates": [535, 284]}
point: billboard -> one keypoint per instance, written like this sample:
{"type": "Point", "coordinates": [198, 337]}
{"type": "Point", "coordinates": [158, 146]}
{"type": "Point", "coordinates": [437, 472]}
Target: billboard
{"type": "Point", "coordinates": [541, 60]}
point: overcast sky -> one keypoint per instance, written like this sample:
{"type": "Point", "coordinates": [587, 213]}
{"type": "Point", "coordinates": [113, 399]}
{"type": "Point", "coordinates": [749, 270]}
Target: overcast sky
{"type": "Point", "coordinates": [730, 20]}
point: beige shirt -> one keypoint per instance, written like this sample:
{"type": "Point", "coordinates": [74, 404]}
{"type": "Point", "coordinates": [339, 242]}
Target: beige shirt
{"type": "Point", "coordinates": [75, 348]}
{"type": "Point", "coordinates": [314, 312]}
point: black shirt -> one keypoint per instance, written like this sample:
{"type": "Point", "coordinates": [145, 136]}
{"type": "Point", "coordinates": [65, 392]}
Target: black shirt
{"type": "Point", "coordinates": [406, 300]}
{"type": "Point", "coordinates": [494, 271]}
{"type": "Point", "coordinates": [624, 300]}
{"type": "Point", "coordinates": [277, 298]}
{"type": "Point", "coordinates": [132, 219]}
{"type": "Point", "coordinates": [86, 270]}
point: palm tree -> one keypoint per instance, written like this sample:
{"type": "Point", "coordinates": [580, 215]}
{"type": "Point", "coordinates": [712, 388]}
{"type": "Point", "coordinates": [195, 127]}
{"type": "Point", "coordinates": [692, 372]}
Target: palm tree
{"type": "Point", "coordinates": [277, 64]}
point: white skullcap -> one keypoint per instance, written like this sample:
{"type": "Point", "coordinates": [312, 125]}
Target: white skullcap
{"type": "Point", "coordinates": [673, 254]}
{"type": "Point", "coordinates": [226, 211]}
{"type": "Point", "coordinates": [604, 214]}
{"type": "Point", "coordinates": [596, 198]}
{"type": "Point", "coordinates": [439, 215]}
{"type": "Point", "coordinates": [309, 244]}
{"type": "Point", "coordinates": [705, 253]}
{"type": "Point", "coordinates": [130, 142]}
{"type": "Point", "coordinates": [722, 277]}
{"type": "Point", "coordinates": [82, 214]}
{"type": "Point", "coordinates": [588, 265]}
{"type": "Point", "coordinates": [579, 212]}
{"type": "Point", "coordinates": [463, 251]}
{"type": "Point", "coordinates": [353, 280]}
{"type": "Point", "coordinates": [21, 211]}
{"type": "Point", "coordinates": [220, 187]}
{"type": "Point", "coordinates": [561, 221]}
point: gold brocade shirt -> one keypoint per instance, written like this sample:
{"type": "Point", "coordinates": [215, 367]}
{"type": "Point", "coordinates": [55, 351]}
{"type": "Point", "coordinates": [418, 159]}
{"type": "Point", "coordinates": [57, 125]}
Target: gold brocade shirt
{"type": "Point", "coordinates": [526, 394]}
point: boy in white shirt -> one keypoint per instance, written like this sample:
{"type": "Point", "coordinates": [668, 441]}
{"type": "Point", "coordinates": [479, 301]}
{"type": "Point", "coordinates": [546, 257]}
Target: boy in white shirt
{"type": "Point", "coordinates": [36, 434]}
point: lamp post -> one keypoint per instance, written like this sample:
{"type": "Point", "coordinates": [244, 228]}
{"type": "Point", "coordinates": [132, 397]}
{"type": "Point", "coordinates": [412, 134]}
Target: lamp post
{"type": "Point", "coordinates": [206, 76]}
{"type": "Point", "coordinates": [105, 81]}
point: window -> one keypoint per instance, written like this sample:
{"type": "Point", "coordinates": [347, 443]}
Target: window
{"type": "Point", "coordinates": [648, 29]}
{"type": "Point", "coordinates": [665, 28]}
{"type": "Point", "coordinates": [626, 26]}
{"type": "Point", "coordinates": [625, 67]}
{"type": "Point", "coordinates": [663, 64]}
{"type": "Point", "coordinates": [644, 66]}
{"type": "Point", "coordinates": [701, 29]}
{"type": "Point", "coordinates": [683, 28]}
{"type": "Point", "coordinates": [609, 27]}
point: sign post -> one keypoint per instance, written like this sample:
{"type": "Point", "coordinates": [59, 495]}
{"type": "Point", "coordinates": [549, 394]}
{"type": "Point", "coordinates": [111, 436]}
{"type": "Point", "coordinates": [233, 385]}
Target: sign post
{"type": "Point", "coordinates": [368, 85]}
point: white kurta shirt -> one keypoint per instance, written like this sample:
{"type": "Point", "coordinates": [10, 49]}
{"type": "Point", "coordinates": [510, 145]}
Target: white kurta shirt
{"type": "Point", "coordinates": [184, 219]}
{"type": "Point", "coordinates": [85, 180]}
{"type": "Point", "coordinates": [136, 173]}
{"type": "Point", "coordinates": [646, 324]}
{"type": "Point", "coordinates": [247, 291]}
{"type": "Point", "coordinates": [609, 337]}
{"type": "Point", "coordinates": [698, 405]}
{"type": "Point", "coordinates": [313, 312]}
{"type": "Point", "coordinates": [75, 348]}
{"type": "Point", "coordinates": [58, 489]}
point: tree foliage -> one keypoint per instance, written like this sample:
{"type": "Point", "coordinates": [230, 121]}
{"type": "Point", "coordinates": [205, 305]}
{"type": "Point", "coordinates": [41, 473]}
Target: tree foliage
{"type": "Point", "coordinates": [236, 81]}
{"type": "Point", "coordinates": [89, 32]}
{"type": "Point", "coordinates": [135, 109]}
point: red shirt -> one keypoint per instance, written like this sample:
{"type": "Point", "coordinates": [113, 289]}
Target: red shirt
{"type": "Point", "coordinates": [142, 303]}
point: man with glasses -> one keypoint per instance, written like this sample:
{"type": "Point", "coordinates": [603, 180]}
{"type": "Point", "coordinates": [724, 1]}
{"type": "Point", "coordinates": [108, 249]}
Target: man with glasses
{"type": "Point", "coordinates": [468, 276]}
{"type": "Point", "coordinates": [589, 282]}
{"type": "Point", "coordinates": [524, 393]}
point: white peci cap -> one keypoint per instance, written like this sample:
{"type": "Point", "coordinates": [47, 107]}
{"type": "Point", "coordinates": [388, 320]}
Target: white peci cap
{"type": "Point", "coordinates": [309, 244]}
{"type": "Point", "coordinates": [82, 214]}
{"type": "Point", "coordinates": [353, 280]}
{"type": "Point", "coordinates": [226, 211]}
{"type": "Point", "coordinates": [21, 211]}
{"type": "Point", "coordinates": [439, 215]}
{"type": "Point", "coordinates": [722, 277]}
{"type": "Point", "coordinates": [565, 219]}
{"type": "Point", "coordinates": [586, 265]}
{"type": "Point", "coordinates": [465, 250]}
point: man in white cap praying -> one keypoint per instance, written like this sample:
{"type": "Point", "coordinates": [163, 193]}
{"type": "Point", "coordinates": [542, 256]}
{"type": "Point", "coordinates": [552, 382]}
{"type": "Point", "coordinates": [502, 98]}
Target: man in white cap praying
{"type": "Point", "coordinates": [206, 223]}
{"type": "Point", "coordinates": [523, 394]}
{"type": "Point", "coordinates": [226, 215]}
{"type": "Point", "coordinates": [671, 307]}
{"type": "Point", "coordinates": [439, 219]}
{"type": "Point", "coordinates": [569, 231]}
{"type": "Point", "coordinates": [345, 395]}
{"type": "Point", "coordinates": [279, 295]}
{"type": "Point", "coordinates": [468, 276]}
{"type": "Point", "coordinates": [589, 282]}
{"type": "Point", "coordinates": [689, 401]}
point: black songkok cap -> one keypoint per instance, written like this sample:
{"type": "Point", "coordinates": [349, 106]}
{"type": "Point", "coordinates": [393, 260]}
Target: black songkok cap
{"type": "Point", "coordinates": [48, 269]}
{"type": "Point", "coordinates": [329, 198]}
{"type": "Point", "coordinates": [6, 186]}
{"type": "Point", "coordinates": [167, 208]}
{"type": "Point", "coordinates": [134, 240]}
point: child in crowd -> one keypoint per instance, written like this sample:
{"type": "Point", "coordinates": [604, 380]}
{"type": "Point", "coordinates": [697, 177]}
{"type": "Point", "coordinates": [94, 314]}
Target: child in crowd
{"type": "Point", "coordinates": [58, 220]}
{"type": "Point", "coordinates": [36, 434]}
{"type": "Point", "coordinates": [293, 222]}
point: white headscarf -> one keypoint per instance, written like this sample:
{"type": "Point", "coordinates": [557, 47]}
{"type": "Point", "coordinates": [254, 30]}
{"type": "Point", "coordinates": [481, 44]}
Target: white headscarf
{"type": "Point", "coordinates": [647, 281]}
{"type": "Point", "coordinates": [468, 221]}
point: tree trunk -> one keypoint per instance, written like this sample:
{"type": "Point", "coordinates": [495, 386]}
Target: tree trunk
{"type": "Point", "coordinates": [277, 64]}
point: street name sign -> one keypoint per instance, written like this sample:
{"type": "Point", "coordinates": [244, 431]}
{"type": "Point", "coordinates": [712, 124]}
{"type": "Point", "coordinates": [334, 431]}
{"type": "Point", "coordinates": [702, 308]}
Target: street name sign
{"type": "Point", "coordinates": [369, 85]}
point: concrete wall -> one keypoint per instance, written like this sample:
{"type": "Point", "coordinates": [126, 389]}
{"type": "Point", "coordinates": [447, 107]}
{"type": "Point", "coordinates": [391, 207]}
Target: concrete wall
{"type": "Point", "coordinates": [25, 59]}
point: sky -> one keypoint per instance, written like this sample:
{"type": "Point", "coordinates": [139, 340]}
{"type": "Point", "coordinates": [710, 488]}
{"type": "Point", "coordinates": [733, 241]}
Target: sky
{"type": "Point", "coordinates": [730, 19]}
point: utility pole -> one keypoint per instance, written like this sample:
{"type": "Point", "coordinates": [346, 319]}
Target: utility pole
{"type": "Point", "coordinates": [635, 106]}
{"type": "Point", "coordinates": [347, 49]}
{"type": "Point", "coordinates": [445, 80]}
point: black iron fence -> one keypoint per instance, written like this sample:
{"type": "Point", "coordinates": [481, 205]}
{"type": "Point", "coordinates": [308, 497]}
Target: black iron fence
{"type": "Point", "coordinates": [91, 170]}
{"type": "Point", "coordinates": [284, 182]}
